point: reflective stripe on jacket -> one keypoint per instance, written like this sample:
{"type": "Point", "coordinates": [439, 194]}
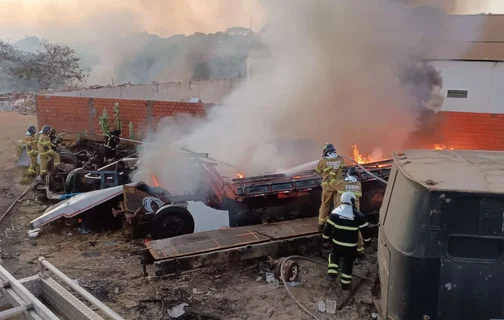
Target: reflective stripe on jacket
{"type": "Point", "coordinates": [331, 171]}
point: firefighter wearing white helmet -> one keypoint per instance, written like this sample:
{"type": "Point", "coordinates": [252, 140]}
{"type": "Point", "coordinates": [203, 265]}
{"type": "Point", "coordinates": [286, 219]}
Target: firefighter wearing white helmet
{"type": "Point", "coordinates": [330, 167]}
{"type": "Point", "coordinates": [342, 227]}
{"type": "Point", "coordinates": [352, 184]}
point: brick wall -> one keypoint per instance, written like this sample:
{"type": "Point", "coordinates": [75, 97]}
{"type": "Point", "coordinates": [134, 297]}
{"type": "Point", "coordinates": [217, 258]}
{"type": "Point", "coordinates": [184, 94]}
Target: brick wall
{"type": "Point", "coordinates": [478, 131]}
{"type": "Point", "coordinates": [76, 115]}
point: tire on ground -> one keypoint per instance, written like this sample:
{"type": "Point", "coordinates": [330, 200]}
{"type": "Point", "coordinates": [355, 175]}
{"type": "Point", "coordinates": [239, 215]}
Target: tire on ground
{"type": "Point", "coordinates": [171, 222]}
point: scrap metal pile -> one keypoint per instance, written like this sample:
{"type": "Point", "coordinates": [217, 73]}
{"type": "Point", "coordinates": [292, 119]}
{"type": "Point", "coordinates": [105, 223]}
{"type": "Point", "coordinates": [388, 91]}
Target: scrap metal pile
{"type": "Point", "coordinates": [85, 166]}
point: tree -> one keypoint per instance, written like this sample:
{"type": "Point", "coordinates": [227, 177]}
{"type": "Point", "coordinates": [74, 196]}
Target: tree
{"type": "Point", "coordinates": [52, 67]}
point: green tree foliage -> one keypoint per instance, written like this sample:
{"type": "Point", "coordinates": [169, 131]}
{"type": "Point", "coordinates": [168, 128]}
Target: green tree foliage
{"type": "Point", "coordinates": [53, 66]}
{"type": "Point", "coordinates": [117, 117]}
{"type": "Point", "coordinates": [103, 122]}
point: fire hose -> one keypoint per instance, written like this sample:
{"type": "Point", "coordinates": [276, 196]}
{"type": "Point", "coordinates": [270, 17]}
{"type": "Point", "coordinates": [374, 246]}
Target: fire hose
{"type": "Point", "coordinates": [282, 277]}
{"type": "Point", "coordinates": [364, 169]}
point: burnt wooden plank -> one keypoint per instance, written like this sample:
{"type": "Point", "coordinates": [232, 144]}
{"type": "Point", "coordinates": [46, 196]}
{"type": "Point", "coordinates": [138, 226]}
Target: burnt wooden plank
{"type": "Point", "coordinates": [201, 242]}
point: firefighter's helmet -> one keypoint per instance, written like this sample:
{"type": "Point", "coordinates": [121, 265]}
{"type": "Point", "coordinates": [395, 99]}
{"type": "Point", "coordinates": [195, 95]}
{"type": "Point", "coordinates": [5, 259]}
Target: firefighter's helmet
{"type": "Point", "coordinates": [329, 148]}
{"type": "Point", "coordinates": [352, 171]}
{"type": "Point", "coordinates": [31, 130]}
{"type": "Point", "coordinates": [348, 198]}
{"type": "Point", "coordinates": [45, 129]}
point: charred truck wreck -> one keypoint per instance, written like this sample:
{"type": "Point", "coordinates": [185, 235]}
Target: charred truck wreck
{"type": "Point", "coordinates": [144, 209]}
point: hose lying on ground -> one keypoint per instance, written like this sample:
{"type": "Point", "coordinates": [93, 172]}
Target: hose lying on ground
{"type": "Point", "coordinates": [282, 277]}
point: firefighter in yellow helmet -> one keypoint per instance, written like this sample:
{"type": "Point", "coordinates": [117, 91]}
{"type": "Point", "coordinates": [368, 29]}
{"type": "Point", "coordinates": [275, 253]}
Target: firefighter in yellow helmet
{"type": "Point", "coordinates": [45, 150]}
{"type": "Point", "coordinates": [352, 184]}
{"type": "Point", "coordinates": [30, 142]}
{"type": "Point", "coordinates": [330, 167]}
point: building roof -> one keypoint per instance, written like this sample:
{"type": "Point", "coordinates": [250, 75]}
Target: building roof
{"type": "Point", "coordinates": [472, 37]}
{"type": "Point", "coordinates": [447, 170]}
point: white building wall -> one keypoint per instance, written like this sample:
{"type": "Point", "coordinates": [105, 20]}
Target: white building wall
{"type": "Point", "coordinates": [482, 81]}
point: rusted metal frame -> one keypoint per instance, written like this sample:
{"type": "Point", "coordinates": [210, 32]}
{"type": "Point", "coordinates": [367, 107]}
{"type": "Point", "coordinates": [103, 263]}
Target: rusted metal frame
{"type": "Point", "coordinates": [296, 245]}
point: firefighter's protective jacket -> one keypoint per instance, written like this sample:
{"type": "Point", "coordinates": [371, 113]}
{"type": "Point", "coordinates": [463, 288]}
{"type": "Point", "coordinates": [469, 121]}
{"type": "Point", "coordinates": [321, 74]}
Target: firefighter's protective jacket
{"type": "Point", "coordinates": [354, 187]}
{"type": "Point", "coordinates": [331, 171]}
{"type": "Point", "coordinates": [343, 226]}
{"type": "Point", "coordinates": [44, 145]}
{"type": "Point", "coordinates": [31, 145]}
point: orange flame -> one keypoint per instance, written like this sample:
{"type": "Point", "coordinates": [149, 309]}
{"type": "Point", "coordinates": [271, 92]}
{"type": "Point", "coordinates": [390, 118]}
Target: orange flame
{"type": "Point", "coordinates": [154, 181]}
{"type": "Point", "coordinates": [440, 146]}
{"type": "Point", "coordinates": [240, 175]}
{"type": "Point", "coordinates": [358, 157]}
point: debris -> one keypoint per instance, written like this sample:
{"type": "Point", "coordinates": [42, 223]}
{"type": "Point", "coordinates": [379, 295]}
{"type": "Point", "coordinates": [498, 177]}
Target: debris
{"type": "Point", "coordinates": [290, 269]}
{"type": "Point", "coordinates": [270, 277]}
{"type": "Point", "coordinates": [196, 291]}
{"type": "Point", "coordinates": [430, 182]}
{"type": "Point", "coordinates": [33, 233]}
{"type": "Point", "coordinates": [12, 205]}
{"type": "Point", "coordinates": [321, 306]}
{"type": "Point", "coordinates": [294, 284]}
{"type": "Point", "coordinates": [330, 306]}
{"type": "Point", "coordinates": [178, 310]}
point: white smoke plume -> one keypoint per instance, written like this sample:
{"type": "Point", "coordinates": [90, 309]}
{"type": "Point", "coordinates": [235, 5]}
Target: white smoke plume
{"type": "Point", "coordinates": [335, 73]}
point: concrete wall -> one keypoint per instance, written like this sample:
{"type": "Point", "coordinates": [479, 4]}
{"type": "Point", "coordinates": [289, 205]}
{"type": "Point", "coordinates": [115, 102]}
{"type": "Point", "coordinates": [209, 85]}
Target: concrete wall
{"type": "Point", "coordinates": [211, 91]}
{"type": "Point", "coordinates": [77, 115]}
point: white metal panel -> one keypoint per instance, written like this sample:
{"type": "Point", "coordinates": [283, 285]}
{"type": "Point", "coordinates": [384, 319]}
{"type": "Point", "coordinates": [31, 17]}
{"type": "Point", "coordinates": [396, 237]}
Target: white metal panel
{"type": "Point", "coordinates": [474, 76]}
{"type": "Point", "coordinates": [497, 92]}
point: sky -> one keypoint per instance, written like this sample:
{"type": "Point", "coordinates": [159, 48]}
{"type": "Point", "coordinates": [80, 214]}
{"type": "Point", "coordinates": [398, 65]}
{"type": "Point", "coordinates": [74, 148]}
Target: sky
{"type": "Point", "coordinates": [83, 20]}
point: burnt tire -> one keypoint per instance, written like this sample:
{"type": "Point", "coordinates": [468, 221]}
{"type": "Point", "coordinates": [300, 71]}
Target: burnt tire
{"type": "Point", "coordinates": [68, 157]}
{"type": "Point", "coordinates": [171, 222]}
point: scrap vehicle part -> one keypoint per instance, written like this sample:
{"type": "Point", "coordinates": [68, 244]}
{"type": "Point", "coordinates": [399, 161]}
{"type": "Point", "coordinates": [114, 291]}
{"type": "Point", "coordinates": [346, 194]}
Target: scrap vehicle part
{"type": "Point", "coordinates": [299, 193]}
{"type": "Point", "coordinates": [290, 269]}
{"type": "Point", "coordinates": [233, 244]}
{"type": "Point", "coordinates": [77, 205]}
{"type": "Point", "coordinates": [445, 262]}
{"type": "Point", "coordinates": [41, 297]}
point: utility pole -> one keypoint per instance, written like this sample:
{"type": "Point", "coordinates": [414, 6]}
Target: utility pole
{"type": "Point", "coordinates": [250, 26]}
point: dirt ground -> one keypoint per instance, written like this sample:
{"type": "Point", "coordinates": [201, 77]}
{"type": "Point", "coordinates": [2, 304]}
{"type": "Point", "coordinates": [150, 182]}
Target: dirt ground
{"type": "Point", "coordinates": [108, 265]}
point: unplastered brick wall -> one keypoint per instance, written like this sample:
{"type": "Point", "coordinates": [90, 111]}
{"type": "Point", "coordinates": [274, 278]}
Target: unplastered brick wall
{"type": "Point", "coordinates": [476, 131]}
{"type": "Point", "coordinates": [78, 115]}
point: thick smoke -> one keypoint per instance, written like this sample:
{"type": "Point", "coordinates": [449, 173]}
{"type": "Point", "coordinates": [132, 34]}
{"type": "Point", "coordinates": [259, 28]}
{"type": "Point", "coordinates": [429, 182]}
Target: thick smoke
{"type": "Point", "coordinates": [344, 72]}
{"type": "Point", "coordinates": [102, 31]}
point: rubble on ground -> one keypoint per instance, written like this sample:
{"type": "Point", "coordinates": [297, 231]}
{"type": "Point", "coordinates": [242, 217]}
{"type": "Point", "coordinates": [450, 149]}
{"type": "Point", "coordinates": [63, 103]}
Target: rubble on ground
{"type": "Point", "coordinates": [23, 102]}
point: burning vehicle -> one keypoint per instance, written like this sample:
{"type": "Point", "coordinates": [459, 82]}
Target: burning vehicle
{"type": "Point", "coordinates": [140, 208]}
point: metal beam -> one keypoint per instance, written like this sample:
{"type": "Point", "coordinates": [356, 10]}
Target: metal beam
{"type": "Point", "coordinates": [297, 245]}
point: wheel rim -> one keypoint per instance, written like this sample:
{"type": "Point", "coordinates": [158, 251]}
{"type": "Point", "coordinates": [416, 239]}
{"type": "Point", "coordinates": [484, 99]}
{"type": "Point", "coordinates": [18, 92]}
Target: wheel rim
{"type": "Point", "coordinates": [173, 226]}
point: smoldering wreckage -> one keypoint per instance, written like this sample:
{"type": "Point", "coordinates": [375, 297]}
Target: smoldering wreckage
{"type": "Point", "coordinates": [271, 219]}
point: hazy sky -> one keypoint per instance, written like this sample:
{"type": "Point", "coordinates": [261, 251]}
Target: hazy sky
{"type": "Point", "coordinates": [85, 19]}
{"type": "Point", "coordinates": [80, 19]}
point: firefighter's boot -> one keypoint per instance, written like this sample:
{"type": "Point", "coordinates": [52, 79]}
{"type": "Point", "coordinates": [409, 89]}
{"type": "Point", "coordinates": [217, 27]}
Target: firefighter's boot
{"type": "Point", "coordinates": [331, 277]}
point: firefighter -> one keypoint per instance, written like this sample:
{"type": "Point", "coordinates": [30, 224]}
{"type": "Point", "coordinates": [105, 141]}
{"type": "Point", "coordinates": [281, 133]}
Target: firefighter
{"type": "Point", "coordinates": [330, 168]}
{"type": "Point", "coordinates": [111, 142]}
{"type": "Point", "coordinates": [351, 184]}
{"type": "Point", "coordinates": [343, 226]}
{"type": "Point", "coordinates": [55, 139]}
{"type": "Point", "coordinates": [45, 150]}
{"type": "Point", "coordinates": [31, 149]}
